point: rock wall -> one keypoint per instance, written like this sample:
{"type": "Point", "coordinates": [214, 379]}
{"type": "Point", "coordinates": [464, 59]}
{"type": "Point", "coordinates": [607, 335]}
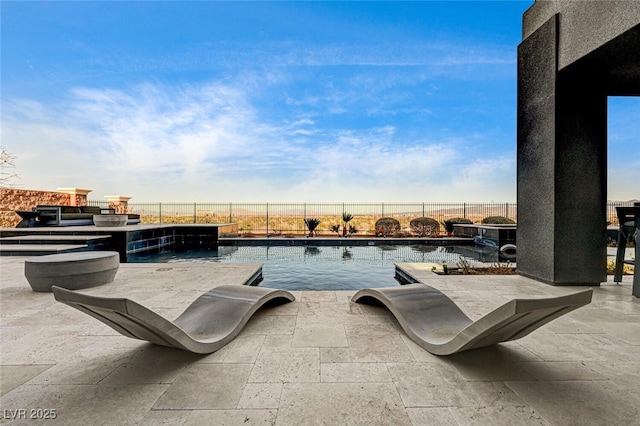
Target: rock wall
{"type": "Point", "coordinates": [12, 199]}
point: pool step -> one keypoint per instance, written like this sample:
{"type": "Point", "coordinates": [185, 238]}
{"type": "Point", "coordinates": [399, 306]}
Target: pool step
{"type": "Point", "coordinates": [36, 245]}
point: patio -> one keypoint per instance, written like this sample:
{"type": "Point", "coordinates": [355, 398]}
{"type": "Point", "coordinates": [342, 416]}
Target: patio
{"type": "Point", "coordinates": [318, 360]}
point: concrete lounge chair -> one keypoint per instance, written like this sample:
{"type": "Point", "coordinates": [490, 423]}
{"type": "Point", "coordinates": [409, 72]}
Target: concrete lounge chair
{"type": "Point", "coordinates": [209, 323]}
{"type": "Point", "coordinates": [436, 323]}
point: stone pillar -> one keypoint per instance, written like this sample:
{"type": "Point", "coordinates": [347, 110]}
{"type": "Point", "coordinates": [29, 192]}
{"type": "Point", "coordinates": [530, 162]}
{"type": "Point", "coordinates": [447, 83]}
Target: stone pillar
{"type": "Point", "coordinates": [118, 202]}
{"type": "Point", "coordinates": [562, 167]}
{"type": "Point", "coordinates": [77, 196]}
{"type": "Point", "coordinates": [573, 55]}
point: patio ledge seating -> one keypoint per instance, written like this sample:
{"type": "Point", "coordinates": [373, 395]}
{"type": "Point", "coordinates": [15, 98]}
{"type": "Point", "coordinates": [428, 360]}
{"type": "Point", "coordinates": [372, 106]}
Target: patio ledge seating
{"type": "Point", "coordinates": [437, 324]}
{"type": "Point", "coordinates": [73, 215]}
{"type": "Point", "coordinates": [209, 323]}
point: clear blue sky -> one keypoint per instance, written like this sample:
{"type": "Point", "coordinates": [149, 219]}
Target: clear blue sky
{"type": "Point", "coordinates": [273, 101]}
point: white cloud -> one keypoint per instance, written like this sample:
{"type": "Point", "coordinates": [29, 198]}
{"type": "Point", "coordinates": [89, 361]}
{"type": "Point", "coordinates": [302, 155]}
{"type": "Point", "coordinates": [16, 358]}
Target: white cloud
{"type": "Point", "coordinates": [210, 142]}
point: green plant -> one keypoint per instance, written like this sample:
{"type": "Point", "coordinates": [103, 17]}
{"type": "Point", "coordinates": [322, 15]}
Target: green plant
{"type": "Point", "coordinates": [336, 229]}
{"type": "Point", "coordinates": [386, 227]}
{"type": "Point", "coordinates": [312, 224]}
{"type": "Point", "coordinates": [346, 218]}
{"type": "Point", "coordinates": [498, 220]}
{"type": "Point", "coordinates": [352, 230]}
{"type": "Point", "coordinates": [424, 226]}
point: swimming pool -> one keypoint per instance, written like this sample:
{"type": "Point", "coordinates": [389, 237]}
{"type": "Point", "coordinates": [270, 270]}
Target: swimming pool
{"type": "Point", "coordinates": [321, 268]}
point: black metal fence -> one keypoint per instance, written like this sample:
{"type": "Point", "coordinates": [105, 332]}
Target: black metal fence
{"type": "Point", "coordinates": [288, 218]}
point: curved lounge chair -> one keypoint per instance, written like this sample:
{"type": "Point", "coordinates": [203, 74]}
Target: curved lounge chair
{"type": "Point", "coordinates": [436, 323]}
{"type": "Point", "coordinates": [209, 323]}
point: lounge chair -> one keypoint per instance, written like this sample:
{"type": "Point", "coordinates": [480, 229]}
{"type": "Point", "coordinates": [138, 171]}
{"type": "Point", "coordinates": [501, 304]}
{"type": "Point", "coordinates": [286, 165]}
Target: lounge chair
{"type": "Point", "coordinates": [209, 323]}
{"type": "Point", "coordinates": [436, 323]}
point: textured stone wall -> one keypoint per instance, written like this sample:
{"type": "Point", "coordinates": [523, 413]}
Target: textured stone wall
{"type": "Point", "coordinates": [121, 207]}
{"type": "Point", "coordinates": [25, 199]}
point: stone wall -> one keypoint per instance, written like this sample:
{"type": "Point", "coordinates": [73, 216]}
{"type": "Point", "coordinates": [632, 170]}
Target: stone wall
{"type": "Point", "coordinates": [26, 199]}
{"type": "Point", "coordinates": [12, 199]}
{"type": "Point", "coordinates": [118, 202]}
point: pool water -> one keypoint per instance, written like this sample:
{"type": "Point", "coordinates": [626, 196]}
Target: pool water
{"type": "Point", "coordinates": [320, 268]}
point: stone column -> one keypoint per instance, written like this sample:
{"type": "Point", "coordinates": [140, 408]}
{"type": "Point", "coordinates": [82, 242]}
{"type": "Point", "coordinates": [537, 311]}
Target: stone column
{"type": "Point", "coordinates": [77, 196]}
{"type": "Point", "coordinates": [562, 166]}
{"type": "Point", "coordinates": [118, 202]}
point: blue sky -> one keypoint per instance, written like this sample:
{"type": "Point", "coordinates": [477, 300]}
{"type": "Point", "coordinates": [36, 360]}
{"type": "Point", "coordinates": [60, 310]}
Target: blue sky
{"type": "Point", "coordinates": [273, 101]}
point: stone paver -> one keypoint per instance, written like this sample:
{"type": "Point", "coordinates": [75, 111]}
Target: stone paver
{"type": "Point", "coordinates": [319, 360]}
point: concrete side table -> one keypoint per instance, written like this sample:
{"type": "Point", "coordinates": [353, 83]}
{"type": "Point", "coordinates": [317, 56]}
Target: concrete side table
{"type": "Point", "coordinates": [72, 271]}
{"type": "Point", "coordinates": [110, 219]}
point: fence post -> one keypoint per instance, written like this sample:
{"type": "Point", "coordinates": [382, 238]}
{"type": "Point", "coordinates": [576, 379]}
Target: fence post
{"type": "Point", "coordinates": [464, 210]}
{"type": "Point", "coordinates": [195, 213]}
{"type": "Point", "coordinates": [230, 215]}
{"type": "Point", "coordinates": [160, 212]}
{"type": "Point", "coordinates": [423, 210]}
{"type": "Point", "coordinates": [267, 219]}
{"type": "Point", "coordinates": [382, 209]}
{"type": "Point", "coordinates": [507, 211]}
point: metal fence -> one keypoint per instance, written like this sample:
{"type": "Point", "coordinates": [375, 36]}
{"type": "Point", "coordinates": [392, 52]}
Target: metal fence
{"type": "Point", "coordinates": [288, 218]}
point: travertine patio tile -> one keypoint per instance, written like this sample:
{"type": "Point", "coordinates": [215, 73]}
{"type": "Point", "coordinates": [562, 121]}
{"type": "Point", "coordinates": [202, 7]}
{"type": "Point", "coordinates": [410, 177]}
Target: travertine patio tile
{"type": "Point", "coordinates": [382, 319]}
{"type": "Point", "coordinates": [440, 416]}
{"type": "Point", "coordinates": [147, 353]}
{"type": "Point", "coordinates": [206, 387]}
{"type": "Point", "coordinates": [261, 395]}
{"type": "Point", "coordinates": [626, 329]}
{"type": "Point", "coordinates": [165, 417]}
{"type": "Point", "coordinates": [568, 324]}
{"type": "Point", "coordinates": [624, 373]}
{"type": "Point", "coordinates": [282, 365]}
{"type": "Point", "coordinates": [318, 296]}
{"type": "Point", "coordinates": [287, 309]}
{"type": "Point", "coordinates": [87, 366]}
{"type": "Point", "coordinates": [128, 374]}
{"type": "Point", "coordinates": [341, 403]}
{"type": "Point", "coordinates": [360, 372]}
{"type": "Point", "coordinates": [42, 345]}
{"type": "Point", "coordinates": [377, 343]}
{"type": "Point", "coordinates": [335, 355]}
{"type": "Point", "coordinates": [244, 349]}
{"type": "Point", "coordinates": [231, 417]}
{"type": "Point", "coordinates": [418, 353]}
{"type": "Point", "coordinates": [272, 324]}
{"type": "Point", "coordinates": [86, 404]}
{"type": "Point", "coordinates": [580, 402]}
{"type": "Point", "coordinates": [437, 385]}
{"type": "Point", "coordinates": [318, 336]}
{"type": "Point", "coordinates": [12, 376]}
{"type": "Point", "coordinates": [278, 341]}
{"type": "Point", "coordinates": [583, 368]}
{"type": "Point", "coordinates": [510, 362]}
{"type": "Point", "coordinates": [578, 347]}
{"type": "Point", "coordinates": [496, 416]}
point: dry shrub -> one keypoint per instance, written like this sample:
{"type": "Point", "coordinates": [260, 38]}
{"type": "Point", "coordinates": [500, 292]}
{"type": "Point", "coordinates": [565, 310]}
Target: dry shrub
{"type": "Point", "coordinates": [425, 226]}
{"type": "Point", "coordinates": [498, 220]}
{"type": "Point", "coordinates": [387, 227]}
{"type": "Point", "coordinates": [461, 220]}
